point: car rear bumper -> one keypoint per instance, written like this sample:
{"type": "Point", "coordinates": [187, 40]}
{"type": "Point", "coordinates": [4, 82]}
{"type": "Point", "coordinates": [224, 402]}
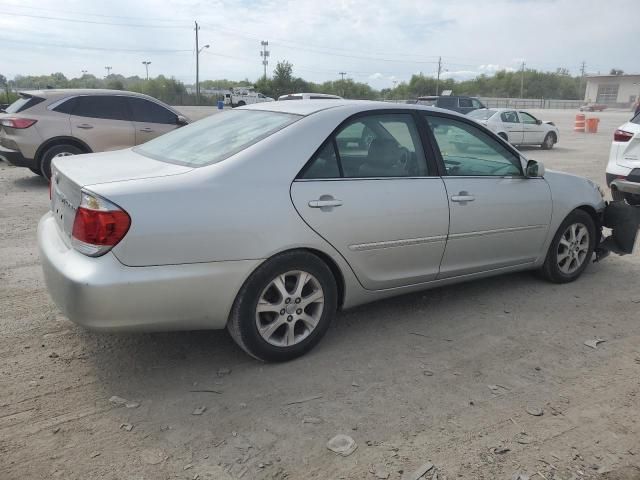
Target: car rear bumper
{"type": "Point", "coordinates": [103, 294]}
{"type": "Point", "coordinates": [15, 157]}
{"type": "Point", "coordinates": [626, 186]}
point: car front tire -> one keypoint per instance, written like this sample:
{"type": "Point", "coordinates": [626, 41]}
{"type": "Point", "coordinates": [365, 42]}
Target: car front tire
{"type": "Point", "coordinates": [285, 307]}
{"type": "Point", "coordinates": [571, 249]}
{"type": "Point", "coordinates": [549, 141]}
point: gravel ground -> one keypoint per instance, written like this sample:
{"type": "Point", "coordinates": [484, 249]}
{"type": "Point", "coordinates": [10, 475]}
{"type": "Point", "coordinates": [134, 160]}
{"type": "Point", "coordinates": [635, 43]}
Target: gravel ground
{"type": "Point", "coordinates": [448, 376]}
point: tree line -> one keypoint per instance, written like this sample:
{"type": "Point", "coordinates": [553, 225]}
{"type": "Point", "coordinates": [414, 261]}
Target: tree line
{"type": "Point", "coordinates": [536, 84]}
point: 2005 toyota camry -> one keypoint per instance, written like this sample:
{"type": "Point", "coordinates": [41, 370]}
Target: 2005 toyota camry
{"type": "Point", "coordinates": [267, 219]}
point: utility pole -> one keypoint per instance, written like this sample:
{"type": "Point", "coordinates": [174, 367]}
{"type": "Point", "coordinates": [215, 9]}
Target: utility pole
{"type": "Point", "coordinates": [582, 70]}
{"type": "Point", "coordinates": [108, 69]}
{"type": "Point", "coordinates": [264, 53]}
{"type": "Point", "coordinates": [342, 74]}
{"type": "Point", "coordinates": [438, 77]}
{"type": "Point", "coordinates": [146, 64]}
{"type": "Point", "coordinates": [522, 81]}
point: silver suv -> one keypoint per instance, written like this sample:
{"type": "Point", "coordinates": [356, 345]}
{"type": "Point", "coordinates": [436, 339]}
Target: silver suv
{"type": "Point", "coordinates": [45, 124]}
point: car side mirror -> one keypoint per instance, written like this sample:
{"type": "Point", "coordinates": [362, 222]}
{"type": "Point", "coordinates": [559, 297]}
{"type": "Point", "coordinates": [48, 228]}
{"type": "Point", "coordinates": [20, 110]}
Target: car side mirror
{"type": "Point", "coordinates": [534, 169]}
{"type": "Point", "coordinates": [538, 122]}
{"type": "Point", "coordinates": [181, 121]}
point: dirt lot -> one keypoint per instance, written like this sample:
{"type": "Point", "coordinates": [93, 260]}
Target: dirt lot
{"type": "Point", "coordinates": [445, 376]}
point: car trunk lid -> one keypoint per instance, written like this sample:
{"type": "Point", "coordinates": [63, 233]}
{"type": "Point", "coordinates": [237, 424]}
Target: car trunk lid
{"type": "Point", "coordinates": [71, 174]}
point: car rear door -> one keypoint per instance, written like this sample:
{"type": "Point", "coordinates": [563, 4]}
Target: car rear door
{"type": "Point", "coordinates": [369, 192]}
{"type": "Point", "coordinates": [533, 132]}
{"type": "Point", "coordinates": [499, 218]}
{"type": "Point", "coordinates": [150, 119]}
{"type": "Point", "coordinates": [102, 122]}
{"type": "Point", "coordinates": [513, 127]}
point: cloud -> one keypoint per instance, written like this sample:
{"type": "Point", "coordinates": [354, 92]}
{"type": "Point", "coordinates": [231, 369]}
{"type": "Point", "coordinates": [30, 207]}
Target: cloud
{"type": "Point", "coordinates": [372, 40]}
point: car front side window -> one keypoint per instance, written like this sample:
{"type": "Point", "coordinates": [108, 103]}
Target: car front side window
{"type": "Point", "coordinates": [468, 151]}
{"type": "Point", "coordinates": [144, 111]}
{"type": "Point", "coordinates": [528, 119]}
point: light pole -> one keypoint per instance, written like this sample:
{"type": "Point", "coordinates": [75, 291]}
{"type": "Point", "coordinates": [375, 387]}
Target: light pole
{"type": "Point", "coordinates": [108, 69]}
{"type": "Point", "coordinates": [198, 72]}
{"type": "Point", "coordinates": [146, 64]}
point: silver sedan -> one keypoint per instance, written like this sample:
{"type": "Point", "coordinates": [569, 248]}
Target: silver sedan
{"type": "Point", "coordinates": [269, 218]}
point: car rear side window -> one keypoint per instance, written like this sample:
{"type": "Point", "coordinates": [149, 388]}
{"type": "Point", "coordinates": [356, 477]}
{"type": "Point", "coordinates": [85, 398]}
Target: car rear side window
{"type": "Point", "coordinates": [23, 103]}
{"type": "Point", "coordinates": [447, 102]}
{"type": "Point", "coordinates": [145, 111]}
{"type": "Point", "coordinates": [376, 145]}
{"type": "Point", "coordinates": [66, 106]}
{"type": "Point", "coordinates": [108, 107]}
{"type": "Point", "coordinates": [216, 137]}
{"type": "Point", "coordinates": [509, 117]}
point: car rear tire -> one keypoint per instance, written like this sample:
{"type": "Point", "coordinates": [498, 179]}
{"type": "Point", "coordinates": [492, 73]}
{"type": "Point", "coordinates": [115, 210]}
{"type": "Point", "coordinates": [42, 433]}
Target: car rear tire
{"type": "Point", "coordinates": [285, 307]}
{"type": "Point", "coordinates": [56, 151]}
{"type": "Point", "coordinates": [571, 249]}
{"type": "Point", "coordinates": [549, 141]}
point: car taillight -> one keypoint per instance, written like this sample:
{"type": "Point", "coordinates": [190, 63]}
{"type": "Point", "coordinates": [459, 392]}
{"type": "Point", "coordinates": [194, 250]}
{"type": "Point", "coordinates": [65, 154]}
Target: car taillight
{"type": "Point", "coordinates": [99, 225]}
{"type": "Point", "coordinates": [17, 122]}
{"type": "Point", "coordinates": [622, 136]}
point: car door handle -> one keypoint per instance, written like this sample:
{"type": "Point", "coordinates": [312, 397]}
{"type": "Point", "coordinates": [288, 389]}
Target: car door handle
{"type": "Point", "coordinates": [325, 203]}
{"type": "Point", "coordinates": [85, 126]}
{"type": "Point", "coordinates": [463, 197]}
{"type": "Point", "coordinates": [146, 129]}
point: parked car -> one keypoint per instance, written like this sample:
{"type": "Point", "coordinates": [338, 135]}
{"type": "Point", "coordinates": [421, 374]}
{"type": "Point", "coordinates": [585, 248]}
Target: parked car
{"type": "Point", "coordinates": [308, 96]}
{"type": "Point", "coordinates": [457, 103]}
{"type": "Point", "coordinates": [623, 169]}
{"type": "Point", "coordinates": [266, 219]}
{"type": "Point", "coordinates": [46, 124]}
{"type": "Point", "coordinates": [518, 127]}
{"type": "Point", "coordinates": [593, 107]}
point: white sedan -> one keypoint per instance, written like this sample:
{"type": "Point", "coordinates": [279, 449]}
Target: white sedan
{"type": "Point", "coordinates": [517, 127]}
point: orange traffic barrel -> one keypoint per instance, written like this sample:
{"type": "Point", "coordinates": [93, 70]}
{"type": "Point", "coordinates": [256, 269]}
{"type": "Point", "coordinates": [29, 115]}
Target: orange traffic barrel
{"type": "Point", "coordinates": [592, 125]}
{"type": "Point", "coordinates": [579, 125]}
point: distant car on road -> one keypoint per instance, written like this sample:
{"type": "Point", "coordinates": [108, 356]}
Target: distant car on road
{"type": "Point", "coordinates": [623, 169]}
{"type": "Point", "coordinates": [518, 127]}
{"type": "Point", "coordinates": [268, 218]}
{"type": "Point", "coordinates": [239, 97]}
{"type": "Point", "coordinates": [309, 96]}
{"type": "Point", "coordinates": [457, 103]}
{"type": "Point", "coordinates": [593, 107]}
{"type": "Point", "coordinates": [46, 124]}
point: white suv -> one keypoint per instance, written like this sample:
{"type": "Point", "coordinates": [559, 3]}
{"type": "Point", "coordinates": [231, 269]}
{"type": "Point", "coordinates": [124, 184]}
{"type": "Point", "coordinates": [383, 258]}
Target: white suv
{"type": "Point", "coordinates": [623, 169]}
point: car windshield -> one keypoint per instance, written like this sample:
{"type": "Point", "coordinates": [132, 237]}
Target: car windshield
{"type": "Point", "coordinates": [482, 114]}
{"type": "Point", "coordinates": [215, 138]}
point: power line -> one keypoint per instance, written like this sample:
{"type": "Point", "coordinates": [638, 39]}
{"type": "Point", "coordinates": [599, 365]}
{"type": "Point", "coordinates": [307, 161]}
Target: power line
{"type": "Point", "coordinates": [92, 22]}
{"type": "Point", "coordinates": [100, 49]}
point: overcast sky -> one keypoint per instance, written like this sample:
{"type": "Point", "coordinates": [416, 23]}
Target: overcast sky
{"type": "Point", "coordinates": [374, 41]}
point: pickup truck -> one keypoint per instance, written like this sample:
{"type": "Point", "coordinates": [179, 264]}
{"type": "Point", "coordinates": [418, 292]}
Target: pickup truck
{"type": "Point", "coordinates": [244, 96]}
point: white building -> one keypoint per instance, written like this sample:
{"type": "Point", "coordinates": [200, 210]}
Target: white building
{"type": "Point", "coordinates": [613, 90]}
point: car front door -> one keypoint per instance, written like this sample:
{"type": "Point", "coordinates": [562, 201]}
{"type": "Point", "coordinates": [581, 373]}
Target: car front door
{"type": "Point", "coordinates": [370, 193]}
{"type": "Point", "coordinates": [150, 119]}
{"type": "Point", "coordinates": [533, 130]}
{"type": "Point", "coordinates": [465, 105]}
{"type": "Point", "coordinates": [499, 218]}
{"type": "Point", "coordinates": [102, 122]}
{"type": "Point", "coordinates": [512, 126]}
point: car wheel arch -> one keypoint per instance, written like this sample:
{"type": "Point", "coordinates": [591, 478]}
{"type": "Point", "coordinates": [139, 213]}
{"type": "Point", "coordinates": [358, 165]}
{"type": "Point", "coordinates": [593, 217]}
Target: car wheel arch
{"type": "Point", "coordinates": [52, 142]}
{"type": "Point", "coordinates": [324, 257]}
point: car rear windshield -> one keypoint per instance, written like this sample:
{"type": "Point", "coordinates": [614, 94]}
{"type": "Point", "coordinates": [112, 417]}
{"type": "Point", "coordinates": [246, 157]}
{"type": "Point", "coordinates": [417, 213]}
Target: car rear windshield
{"type": "Point", "coordinates": [23, 103]}
{"type": "Point", "coordinates": [215, 138]}
{"type": "Point", "coordinates": [482, 114]}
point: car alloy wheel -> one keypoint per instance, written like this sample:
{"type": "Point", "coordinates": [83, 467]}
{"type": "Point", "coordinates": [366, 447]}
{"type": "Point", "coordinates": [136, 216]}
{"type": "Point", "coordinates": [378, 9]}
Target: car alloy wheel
{"type": "Point", "coordinates": [289, 308]}
{"type": "Point", "coordinates": [573, 248]}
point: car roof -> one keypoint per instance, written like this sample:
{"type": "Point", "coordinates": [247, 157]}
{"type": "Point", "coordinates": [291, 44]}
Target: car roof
{"type": "Point", "coordinates": [65, 92]}
{"type": "Point", "coordinates": [308, 107]}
